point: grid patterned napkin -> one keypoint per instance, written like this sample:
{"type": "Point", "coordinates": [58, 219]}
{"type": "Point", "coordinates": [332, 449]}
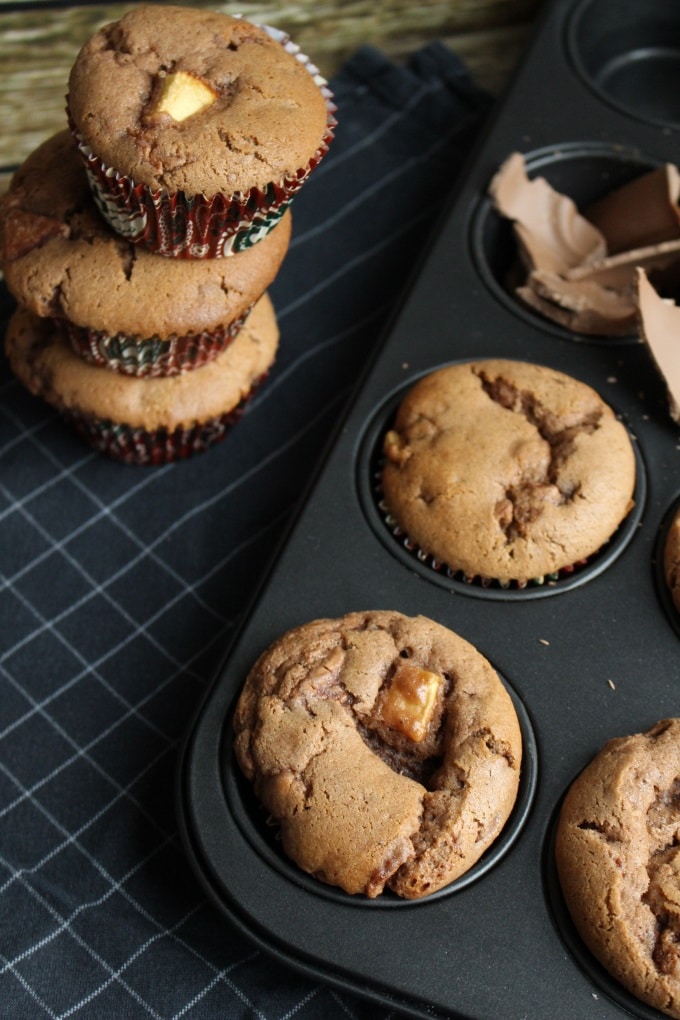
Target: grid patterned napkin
{"type": "Point", "coordinates": [120, 587]}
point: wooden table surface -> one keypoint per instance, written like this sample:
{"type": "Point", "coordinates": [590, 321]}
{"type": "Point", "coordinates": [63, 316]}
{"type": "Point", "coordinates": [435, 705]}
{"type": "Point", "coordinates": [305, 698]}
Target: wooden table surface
{"type": "Point", "coordinates": [39, 41]}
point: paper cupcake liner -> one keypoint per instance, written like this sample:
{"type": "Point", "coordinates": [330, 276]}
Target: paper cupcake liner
{"type": "Point", "coordinates": [459, 575]}
{"type": "Point", "coordinates": [150, 357]}
{"type": "Point", "coordinates": [196, 226]}
{"type": "Point", "coordinates": [140, 446]}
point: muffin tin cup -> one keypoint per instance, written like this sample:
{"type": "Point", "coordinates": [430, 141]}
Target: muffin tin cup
{"type": "Point", "coordinates": [242, 809]}
{"type": "Point", "coordinates": [151, 357]}
{"type": "Point", "coordinates": [407, 552]}
{"type": "Point", "coordinates": [179, 225]}
{"type": "Point", "coordinates": [583, 171]}
{"type": "Point", "coordinates": [601, 979]}
{"type": "Point", "coordinates": [659, 573]}
{"type": "Point", "coordinates": [629, 55]}
{"type": "Point", "coordinates": [593, 656]}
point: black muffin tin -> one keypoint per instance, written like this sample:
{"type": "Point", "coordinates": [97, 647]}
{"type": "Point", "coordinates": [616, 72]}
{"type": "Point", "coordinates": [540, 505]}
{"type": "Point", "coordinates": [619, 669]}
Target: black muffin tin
{"type": "Point", "coordinates": [586, 657]}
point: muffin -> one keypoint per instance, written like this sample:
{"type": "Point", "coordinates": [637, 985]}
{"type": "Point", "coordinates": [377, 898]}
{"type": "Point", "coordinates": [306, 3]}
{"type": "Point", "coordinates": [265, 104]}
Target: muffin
{"type": "Point", "coordinates": [120, 305]}
{"type": "Point", "coordinates": [671, 559]}
{"type": "Point", "coordinates": [506, 471]}
{"type": "Point", "coordinates": [196, 128]}
{"type": "Point", "coordinates": [386, 748]}
{"type": "Point", "coordinates": [617, 861]}
{"type": "Point", "coordinates": [143, 421]}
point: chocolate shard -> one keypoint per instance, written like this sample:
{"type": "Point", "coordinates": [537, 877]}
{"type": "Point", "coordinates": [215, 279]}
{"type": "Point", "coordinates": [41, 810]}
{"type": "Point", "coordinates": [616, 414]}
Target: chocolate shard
{"type": "Point", "coordinates": [639, 214]}
{"type": "Point", "coordinates": [660, 330]}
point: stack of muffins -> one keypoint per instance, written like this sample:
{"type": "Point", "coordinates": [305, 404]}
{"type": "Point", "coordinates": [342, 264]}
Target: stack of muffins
{"type": "Point", "coordinates": [140, 241]}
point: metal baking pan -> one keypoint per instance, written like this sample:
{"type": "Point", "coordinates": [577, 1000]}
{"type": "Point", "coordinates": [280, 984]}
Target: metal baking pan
{"type": "Point", "coordinates": [588, 658]}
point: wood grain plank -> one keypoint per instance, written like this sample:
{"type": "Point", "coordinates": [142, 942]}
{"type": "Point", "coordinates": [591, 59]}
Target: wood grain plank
{"type": "Point", "coordinates": [38, 46]}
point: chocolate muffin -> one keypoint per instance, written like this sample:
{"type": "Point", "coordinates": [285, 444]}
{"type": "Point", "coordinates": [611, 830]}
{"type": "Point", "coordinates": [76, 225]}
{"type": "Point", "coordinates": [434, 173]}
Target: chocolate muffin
{"type": "Point", "coordinates": [506, 471]}
{"type": "Point", "coordinates": [385, 746]}
{"type": "Point", "coordinates": [617, 860]}
{"type": "Point", "coordinates": [122, 307]}
{"type": "Point", "coordinates": [196, 127]}
{"type": "Point", "coordinates": [144, 421]}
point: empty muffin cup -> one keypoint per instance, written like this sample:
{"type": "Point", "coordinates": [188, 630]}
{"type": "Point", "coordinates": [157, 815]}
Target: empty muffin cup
{"type": "Point", "coordinates": [629, 55]}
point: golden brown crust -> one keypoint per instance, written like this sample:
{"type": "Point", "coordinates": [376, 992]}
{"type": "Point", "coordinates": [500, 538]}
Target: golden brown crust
{"type": "Point", "coordinates": [267, 122]}
{"type": "Point", "coordinates": [360, 804]}
{"type": "Point", "coordinates": [46, 364]}
{"type": "Point", "coordinates": [61, 259]}
{"type": "Point", "coordinates": [507, 470]}
{"type": "Point", "coordinates": [618, 861]}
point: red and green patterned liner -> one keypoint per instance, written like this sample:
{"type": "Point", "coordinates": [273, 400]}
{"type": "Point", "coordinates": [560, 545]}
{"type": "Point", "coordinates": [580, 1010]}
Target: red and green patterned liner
{"type": "Point", "coordinates": [196, 226]}
{"type": "Point", "coordinates": [142, 447]}
{"type": "Point", "coordinates": [151, 357]}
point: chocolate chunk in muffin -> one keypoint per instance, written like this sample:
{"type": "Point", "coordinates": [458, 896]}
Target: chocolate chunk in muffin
{"type": "Point", "coordinates": [386, 747]}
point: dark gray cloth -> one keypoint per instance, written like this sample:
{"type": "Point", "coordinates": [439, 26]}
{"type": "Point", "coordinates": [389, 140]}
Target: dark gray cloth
{"type": "Point", "coordinates": [121, 586]}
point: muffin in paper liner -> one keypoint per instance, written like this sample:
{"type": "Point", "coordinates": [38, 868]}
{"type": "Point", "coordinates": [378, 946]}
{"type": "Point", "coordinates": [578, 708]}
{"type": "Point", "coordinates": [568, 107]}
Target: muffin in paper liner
{"type": "Point", "coordinates": [139, 446]}
{"type": "Point", "coordinates": [506, 474]}
{"type": "Point", "coordinates": [143, 420]}
{"type": "Point", "coordinates": [181, 225]}
{"type": "Point", "coordinates": [150, 356]}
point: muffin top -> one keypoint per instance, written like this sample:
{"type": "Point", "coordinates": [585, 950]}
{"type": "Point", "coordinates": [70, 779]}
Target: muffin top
{"type": "Point", "coordinates": [617, 859]}
{"type": "Point", "coordinates": [385, 746]}
{"type": "Point", "coordinates": [45, 363]}
{"type": "Point", "coordinates": [507, 470]}
{"type": "Point", "coordinates": [61, 259]}
{"type": "Point", "coordinates": [266, 120]}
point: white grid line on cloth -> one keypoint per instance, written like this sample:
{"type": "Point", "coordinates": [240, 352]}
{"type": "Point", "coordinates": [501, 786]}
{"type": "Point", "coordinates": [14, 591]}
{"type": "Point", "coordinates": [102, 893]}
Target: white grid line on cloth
{"type": "Point", "coordinates": [115, 886]}
{"type": "Point", "coordinates": [139, 629]}
{"type": "Point", "coordinates": [319, 348]}
{"type": "Point", "coordinates": [63, 688]}
{"type": "Point", "coordinates": [216, 980]}
{"type": "Point", "coordinates": [67, 471]}
{"type": "Point", "coordinates": [105, 512]}
{"type": "Point", "coordinates": [64, 924]}
{"type": "Point", "coordinates": [82, 753]}
{"type": "Point", "coordinates": [367, 193]}
{"type": "Point", "coordinates": [312, 994]}
{"type": "Point", "coordinates": [89, 950]}
{"type": "Point", "coordinates": [425, 90]}
{"type": "Point", "coordinates": [27, 433]}
{"type": "Point", "coordinates": [138, 952]}
{"type": "Point", "coordinates": [28, 988]}
{"type": "Point", "coordinates": [180, 522]}
{"type": "Point", "coordinates": [331, 279]}
{"type": "Point", "coordinates": [21, 875]}
{"type": "Point", "coordinates": [90, 669]}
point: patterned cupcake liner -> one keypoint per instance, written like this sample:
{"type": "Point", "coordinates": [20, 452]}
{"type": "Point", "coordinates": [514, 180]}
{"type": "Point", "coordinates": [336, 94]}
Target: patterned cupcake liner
{"type": "Point", "coordinates": [196, 226]}
{"type": "Point", "coordinates": [150, 357]}
{"type": "Point", "coordinates": [450, 573]}
{"type": "Point", "coordinates": [140, 446]}
{"type": "Point", "coordinates": [476, 580]}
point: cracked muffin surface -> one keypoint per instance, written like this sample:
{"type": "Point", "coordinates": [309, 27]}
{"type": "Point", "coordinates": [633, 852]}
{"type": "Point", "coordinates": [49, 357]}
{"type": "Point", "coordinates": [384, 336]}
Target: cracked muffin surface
{"type": "Point", "coordinates": [60, 259]}
{"type": "Point", "coordinates": [385, 746]}
{"type": "Point", "coordinates": [618, 860]}
{"type": "Point", "coordinates": [506, 470]}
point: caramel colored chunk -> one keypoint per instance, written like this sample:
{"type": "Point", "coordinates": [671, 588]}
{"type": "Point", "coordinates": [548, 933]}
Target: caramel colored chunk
{"type": "Point", "coordinates": [410, 702]}
{"type": "Point", "coordinates": [183, 94]}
